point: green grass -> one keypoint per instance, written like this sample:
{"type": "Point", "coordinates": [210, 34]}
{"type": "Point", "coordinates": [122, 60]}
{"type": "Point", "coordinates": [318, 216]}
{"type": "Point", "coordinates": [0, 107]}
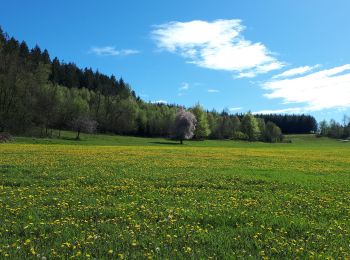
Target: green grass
{"type": "Point", "coordinates": [127, 197]}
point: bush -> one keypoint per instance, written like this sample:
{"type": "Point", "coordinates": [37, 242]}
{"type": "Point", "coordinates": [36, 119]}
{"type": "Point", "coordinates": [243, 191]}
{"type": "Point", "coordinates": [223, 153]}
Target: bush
{"type": "Point", "coordinates": [240, 136]}
{"type": "Point", "coordinates": [5, 137]}
{"type": "Point", "coordinates": [272, 133]}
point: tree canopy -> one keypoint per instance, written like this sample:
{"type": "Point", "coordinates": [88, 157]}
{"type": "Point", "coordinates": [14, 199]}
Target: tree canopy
{"type": "Point", "coordinates": [185, 125]}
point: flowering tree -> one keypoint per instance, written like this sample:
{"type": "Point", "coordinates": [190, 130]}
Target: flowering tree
{"type": "Point", "coordinates": [185, 124]}
{"type": "Point", "coordinates": [83, 124]}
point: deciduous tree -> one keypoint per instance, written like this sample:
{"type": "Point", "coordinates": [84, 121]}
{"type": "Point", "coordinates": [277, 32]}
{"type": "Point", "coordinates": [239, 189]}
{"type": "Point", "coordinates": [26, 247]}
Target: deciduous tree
{"type": "Point", "coordinates": [185, 125]}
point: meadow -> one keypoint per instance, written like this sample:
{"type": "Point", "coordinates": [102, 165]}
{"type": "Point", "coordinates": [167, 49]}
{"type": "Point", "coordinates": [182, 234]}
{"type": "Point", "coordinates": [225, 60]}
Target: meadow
{"type": "Point", "coordinates": [110, 197]}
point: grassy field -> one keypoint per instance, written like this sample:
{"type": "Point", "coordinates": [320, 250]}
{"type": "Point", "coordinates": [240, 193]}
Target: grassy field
{"type": "Point", "coordinates": [125, 197]}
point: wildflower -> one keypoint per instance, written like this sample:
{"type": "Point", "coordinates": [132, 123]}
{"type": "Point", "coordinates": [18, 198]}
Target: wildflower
{"type": "Point", "coordinates": [188, 249]}
{"type": "Point", "coordinates": [32, 250]}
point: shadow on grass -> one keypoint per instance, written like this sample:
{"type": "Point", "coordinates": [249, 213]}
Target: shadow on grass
{"type": "Point", "coordinates": [167, 143]}
{"type": "Point", "coordinates": [70, 138]}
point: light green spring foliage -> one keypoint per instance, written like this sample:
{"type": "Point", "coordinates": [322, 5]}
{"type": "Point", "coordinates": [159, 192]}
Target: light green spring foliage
{"type": "Point", "coordinates": [272, 133]}
{"type": "Point", "coordinates": [202, 127]}
{"type": "Point", "coordinates": [115, 197]}
{"type": "Point", "coordinates": [250, 126]}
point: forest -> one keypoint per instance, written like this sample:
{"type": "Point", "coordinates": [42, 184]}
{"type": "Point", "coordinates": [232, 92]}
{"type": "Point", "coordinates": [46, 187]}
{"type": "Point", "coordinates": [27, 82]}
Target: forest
{"type": "Point", "coordinates": [38, 94]}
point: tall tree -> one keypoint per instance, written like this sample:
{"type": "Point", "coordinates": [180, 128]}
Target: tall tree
{"type": "Point", "coordinates": [250, 126]}
{"type": "Point", "coordinates": [202, 128]}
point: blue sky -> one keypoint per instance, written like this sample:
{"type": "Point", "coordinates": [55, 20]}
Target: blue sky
{"type": "Point", "coordinates": [270, 56]}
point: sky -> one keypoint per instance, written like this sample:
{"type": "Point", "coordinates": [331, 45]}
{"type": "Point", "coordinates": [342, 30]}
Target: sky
{"type": "Point", "coordinates": [271, 56]}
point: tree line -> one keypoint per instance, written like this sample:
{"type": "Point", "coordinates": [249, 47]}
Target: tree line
{"type": "Point", "coordinates": [334, 129]}
{"type": "Point", "coordinates": [292, 124]}
{"type": "Point", "coordinates": [39, 93]}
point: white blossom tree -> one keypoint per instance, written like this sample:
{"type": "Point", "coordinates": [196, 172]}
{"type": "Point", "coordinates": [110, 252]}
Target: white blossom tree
{"type": "Point", "coordinates": [185, 124]}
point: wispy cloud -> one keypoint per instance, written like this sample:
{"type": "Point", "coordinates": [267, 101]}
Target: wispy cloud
{"type": "Point", "coordinates": [296, 71]}
{"type": "Point", "coordinates": [213, 90]}
{"type": "Point", "coordinates": [232, 109]}
{"type": "Point", "coordinates": [112, 51]}
{"type": "Point", "coordinates": [217, 45]}
{"type": "Point", "coordinates": [293, 110]}
{"type": "Point", "coordinates": [184, 86]}
{"type": "Point", "coordinates": [126, 52]}
{"type": "Point", "coordinates": [325, 89]}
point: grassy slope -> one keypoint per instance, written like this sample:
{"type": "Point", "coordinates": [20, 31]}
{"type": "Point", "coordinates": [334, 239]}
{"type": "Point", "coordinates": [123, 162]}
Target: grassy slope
{"type": "Point", "coordinates": [112, 196]}
{"type": "Point", "coordinates": [68, 138]}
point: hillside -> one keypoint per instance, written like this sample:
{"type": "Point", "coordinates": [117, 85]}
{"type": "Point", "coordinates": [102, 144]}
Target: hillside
{"type": "Point", "coordinates": [38, 93]}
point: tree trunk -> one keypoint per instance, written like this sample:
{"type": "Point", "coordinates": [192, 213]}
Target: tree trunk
{"type": "Point", "coordinates": [181, 142]}
{"type": "Point", "coordinates": [78, 135]}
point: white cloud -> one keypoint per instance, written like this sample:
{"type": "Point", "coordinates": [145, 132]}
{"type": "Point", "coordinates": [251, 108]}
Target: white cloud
{"type": "Point", "coordinates": [184, 86]}
{"type": "Point", "coordinates": [260, 70]}
{"type": "Point", "coordinates": [216, 45]}
{"type": "Point", "coordinates": [213, 90]}
{"type": "Point", "coordinates": [296, 71]}
{"type": "Point", "coordinates": [112, 51]}
{"type": "Point", "coordinates": [160, 102]}
{"type": "Point", "coordinates": [235, 109]}
{"type": "Point", "coordinates": [293, 110]}
{"type": "Point", "coordinates": [325, 89]}
{"type": "Point", "coordinates": [249, 74]}
{"type": "Point", "coordinates": [126, 52]}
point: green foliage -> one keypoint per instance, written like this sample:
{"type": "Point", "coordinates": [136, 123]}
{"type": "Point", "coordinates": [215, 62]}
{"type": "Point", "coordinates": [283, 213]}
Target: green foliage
{"type": "Point", "coordinates": [202, 127]}
{"type": "Point", "coordinates": [292, 124]}
{"type": "Point", "coordinates": [272, 133]}
{"type": "Point", "coordinates": [334, 129]}
{"type": "Point", "coordinates": [238, 135]}
{"type": "Point", "coordinates": [250, 127]}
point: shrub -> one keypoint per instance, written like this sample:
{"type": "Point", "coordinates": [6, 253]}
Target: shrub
{"type": "Point", "coordinates": [238, 135]}
{"type": "Point", "coordinates": [5, 137]}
